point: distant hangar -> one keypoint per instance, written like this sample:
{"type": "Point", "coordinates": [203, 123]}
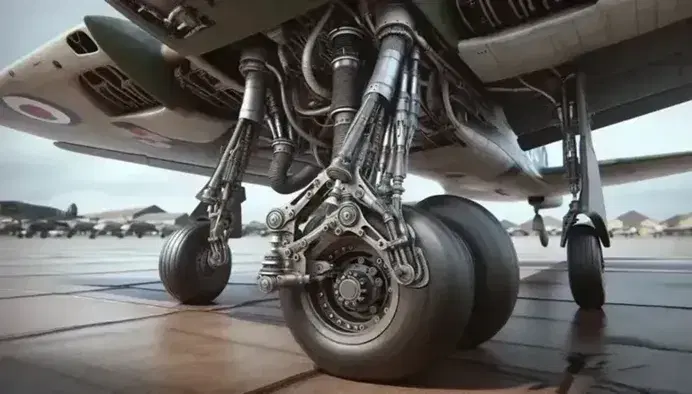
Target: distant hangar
{"type": "Point", "coordinates": [165, 218]}
{"type": "Point", "coordinates": [126, 215]}
{"type": "Point", "coordinates": [152, 214]}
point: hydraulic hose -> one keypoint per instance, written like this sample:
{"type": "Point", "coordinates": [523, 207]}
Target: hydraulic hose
{"type": "Point", "coordinates": [306, 61]}
{"type": "Point", "coordinates": [282, 158]}
{"type": "Point", "coordinates": [287, 110]}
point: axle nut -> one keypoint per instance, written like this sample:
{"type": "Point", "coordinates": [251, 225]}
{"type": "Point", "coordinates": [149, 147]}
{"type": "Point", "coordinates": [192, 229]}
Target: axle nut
{"type": "Point", "coordinates": [348, 215]}
{"type": "Point", "coordinates": [275, 219]}
{"type": "Point", "coordinates": [266, 284]}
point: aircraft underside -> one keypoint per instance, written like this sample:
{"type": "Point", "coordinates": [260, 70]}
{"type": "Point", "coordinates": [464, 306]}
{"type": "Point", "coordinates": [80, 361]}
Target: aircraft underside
{"type": "Point", "coordinates": [341, 101]}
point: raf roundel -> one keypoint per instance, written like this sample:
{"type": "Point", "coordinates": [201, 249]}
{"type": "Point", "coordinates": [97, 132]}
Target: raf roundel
{"type": "Point", "coordinates": [144, 136]}
{"type": "Point", "coordinates": [39, 109]}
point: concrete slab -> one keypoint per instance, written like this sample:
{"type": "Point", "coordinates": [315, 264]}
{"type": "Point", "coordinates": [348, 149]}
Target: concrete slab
{"type": "Point", "coordinates": [39, 315]}
{"type": "Point", "coordinates": [663, 288]}
{"type": "Point", "coordinates": [235, 296]}
{"type": "Point", "coordinates": [16, 287]}
{"type": "Point", "coordinates": [180, 353]}
{"type": "Point", "coordinates": [640, 343]}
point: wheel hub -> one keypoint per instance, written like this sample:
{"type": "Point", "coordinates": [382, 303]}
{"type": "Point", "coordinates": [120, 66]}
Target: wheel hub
{"type": "Point", "coordinates": [358, 298]}
{"type": "Point", "coordinates": [359, 286]}
{"type": "Point", "coordinates": [349, 289]}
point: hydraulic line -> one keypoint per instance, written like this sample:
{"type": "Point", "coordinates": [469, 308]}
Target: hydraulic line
{"type": "Point", "coordinates": [306, 60]}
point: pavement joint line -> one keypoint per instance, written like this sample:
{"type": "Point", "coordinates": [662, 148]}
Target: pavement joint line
{"type": "Point", "coordinates": [678, 307]}
{"type": "Point", "coordinates": [223, 308]}
{"type": "Point", "coordinates": [60, 330]}
{"type": "Point", "coordinates": [508, 369]}
{"type": "Point", "coordinates": [180, 307]}
{"type": "Point", "coordinates": [76, 274]}
{"type": "Point", "coordinates": [142, 303]}
{"type": "Point", "coordinates": [286, 382]}
{"type": "Point", "coordinates": [96, 289]}
{"type": "Point", "coordinates": [230, 340]}
{"type": "Point", "coordinates": [608, 341]}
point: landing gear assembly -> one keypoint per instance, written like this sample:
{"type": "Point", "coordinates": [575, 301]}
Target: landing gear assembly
{"type": "Point", "coordinates": [584, 228]}
{"type": "Point", "coordinates": [360, 275]}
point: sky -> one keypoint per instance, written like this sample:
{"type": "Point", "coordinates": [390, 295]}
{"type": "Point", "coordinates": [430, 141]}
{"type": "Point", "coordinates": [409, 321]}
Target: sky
{"type": "Point", "coordinates": [33, 170]}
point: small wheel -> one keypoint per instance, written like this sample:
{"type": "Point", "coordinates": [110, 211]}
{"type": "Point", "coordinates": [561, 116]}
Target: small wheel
{"type": "Point", "coordinates": [544, 238]}
{"type": "Point", "coordinates": [585, 268]}
{"type": "Point", "coordinates": [184, 269]}
{"type": "Point", "coordinates": [43, 234]}
{"type": "Point", "coordinates": [495, 260]}
{"type": "Point", "coordinates": [363, 325]}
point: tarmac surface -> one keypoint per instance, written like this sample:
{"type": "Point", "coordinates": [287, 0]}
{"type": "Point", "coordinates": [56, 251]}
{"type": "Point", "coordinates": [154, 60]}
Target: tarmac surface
{"type": "Point", "coordinates": [90, 316]}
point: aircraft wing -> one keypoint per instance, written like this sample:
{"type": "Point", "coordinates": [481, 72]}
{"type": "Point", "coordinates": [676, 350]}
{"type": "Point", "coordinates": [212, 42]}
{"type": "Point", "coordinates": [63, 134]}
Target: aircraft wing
{"type": "Point", "coordinates": [634, 169]}
{"type": "Point", "coordinates": [105, 89]}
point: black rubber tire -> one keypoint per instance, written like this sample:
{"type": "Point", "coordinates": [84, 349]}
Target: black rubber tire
{"type": "Point", "coordinates": [424, 327]}
{"type": "Point", "coordinates": [496, 265]}
{"type": "Point", "coordinates": [544, 238]}
{"type": "Point", "coordinates": [179, 269]}
{"type": "Point", "coordinates": [585, 268]}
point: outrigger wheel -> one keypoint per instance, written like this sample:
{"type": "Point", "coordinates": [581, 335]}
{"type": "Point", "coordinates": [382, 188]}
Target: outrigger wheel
{"type": "Point", "coordinates": [350, 322]}
{"type": "Point", "coordinates": [585, 267]}
{"type": "Point", "coordinates": [184, 266]}
{"type": "Point", "coordinates": [495, 261]}
{"type": "Point", "coordinates": [539, 226]}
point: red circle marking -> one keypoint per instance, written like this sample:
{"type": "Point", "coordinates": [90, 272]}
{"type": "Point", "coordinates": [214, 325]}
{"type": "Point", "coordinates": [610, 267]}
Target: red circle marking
{"type": "Point", "coordinates": [37, 112]}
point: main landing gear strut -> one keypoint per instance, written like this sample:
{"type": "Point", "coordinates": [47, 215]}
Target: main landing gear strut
{"type": "Point", "coordinates": [370, 288]}
{"type": "Point", "coordinates": [584, 228]}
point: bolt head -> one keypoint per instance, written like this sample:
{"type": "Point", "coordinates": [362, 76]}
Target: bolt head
{"type": "Point", "coordinates": [275, 219]}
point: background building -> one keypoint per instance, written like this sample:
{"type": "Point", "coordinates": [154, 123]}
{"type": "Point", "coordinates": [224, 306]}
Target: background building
{"type": "Point", "coordinates": [640, 222]}
{"type": "Point", "coordinates": [126, 215]}
{"type": "Point", "coordinates": [678, 224]}
{"type": "Point", "coordinates": [165, 218]}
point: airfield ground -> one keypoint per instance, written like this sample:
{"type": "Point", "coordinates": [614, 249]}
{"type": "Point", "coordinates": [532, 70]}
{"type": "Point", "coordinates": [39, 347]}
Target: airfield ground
{"type": "Point", "coordinates": [90, 316]}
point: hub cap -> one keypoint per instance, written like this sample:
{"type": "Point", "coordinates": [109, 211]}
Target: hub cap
{"type": "Point", "coordinates": [360, 295]}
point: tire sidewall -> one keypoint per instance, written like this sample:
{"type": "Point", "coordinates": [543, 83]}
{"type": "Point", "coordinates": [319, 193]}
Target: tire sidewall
{"type": "Point", "coordinates": [178, 267]}
{"type": "Point", "coordinates": [423, 326]}
{"type": "Point", "coordinates": [496, 264]}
